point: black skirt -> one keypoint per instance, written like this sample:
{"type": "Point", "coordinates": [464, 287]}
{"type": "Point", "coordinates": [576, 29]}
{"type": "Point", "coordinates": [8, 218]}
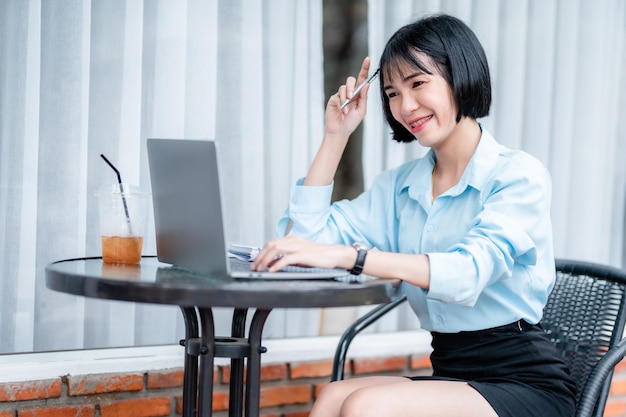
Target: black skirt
{"type": "Point", "coordinates": [515, 367]}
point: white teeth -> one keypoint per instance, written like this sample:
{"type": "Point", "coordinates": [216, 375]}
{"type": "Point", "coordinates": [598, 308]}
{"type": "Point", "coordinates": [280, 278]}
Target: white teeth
{"type": "Point", "coordinates": [419, 122]}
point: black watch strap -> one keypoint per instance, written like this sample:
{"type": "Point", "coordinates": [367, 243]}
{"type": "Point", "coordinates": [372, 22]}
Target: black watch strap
{"type": "Point", "coordinates": [361, 253]}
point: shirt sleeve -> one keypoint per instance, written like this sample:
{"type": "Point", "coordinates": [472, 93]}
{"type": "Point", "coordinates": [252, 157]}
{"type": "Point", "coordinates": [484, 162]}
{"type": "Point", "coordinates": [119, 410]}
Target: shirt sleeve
{"type": "Point", "coordinates": [312, 215]}
{"type": "Point", "coordinates": [512, 230]}
{"type": "Point", "coordinates": [308, 210]}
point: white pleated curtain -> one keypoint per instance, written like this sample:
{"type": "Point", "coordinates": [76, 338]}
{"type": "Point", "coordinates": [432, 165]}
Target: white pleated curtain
{"type": "Point", "coordinates": [79, 79]}
{"type": "Point", "coordinates": [559, 92]}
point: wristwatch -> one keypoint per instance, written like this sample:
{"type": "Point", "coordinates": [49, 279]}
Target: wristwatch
{"type": "Point", "coordinates": [361, 253]}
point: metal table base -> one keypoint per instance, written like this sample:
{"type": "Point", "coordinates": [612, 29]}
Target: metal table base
{"type": "Point", "coordinates": [201, 349]}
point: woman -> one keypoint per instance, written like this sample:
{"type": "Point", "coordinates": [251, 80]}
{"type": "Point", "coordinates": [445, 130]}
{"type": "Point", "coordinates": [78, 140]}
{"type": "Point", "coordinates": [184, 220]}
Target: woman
{"type": "Point", "coordinates": [467, 229]}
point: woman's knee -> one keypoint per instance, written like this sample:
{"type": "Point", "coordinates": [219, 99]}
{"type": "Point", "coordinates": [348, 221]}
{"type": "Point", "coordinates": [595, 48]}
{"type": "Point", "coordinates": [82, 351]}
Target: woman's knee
{"type": "Point", "coordinates": [329, 400]}
{"type": "Point", "coordinates": [332, 397]}
{"type": "Point", "coordinates": [358, 403]}
{"type": "Point", "coordinates": [335, 391]}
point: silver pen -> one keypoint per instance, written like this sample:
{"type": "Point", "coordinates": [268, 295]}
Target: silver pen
{"type": "Point", "coordinates": [359, 88]}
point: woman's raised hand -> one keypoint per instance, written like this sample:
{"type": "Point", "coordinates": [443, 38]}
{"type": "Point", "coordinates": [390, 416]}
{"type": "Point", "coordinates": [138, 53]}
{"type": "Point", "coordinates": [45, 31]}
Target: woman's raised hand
{"type": "Point", "coordinates": [344, 121]}
{"type": "Point", "coordinates": [339, 125]}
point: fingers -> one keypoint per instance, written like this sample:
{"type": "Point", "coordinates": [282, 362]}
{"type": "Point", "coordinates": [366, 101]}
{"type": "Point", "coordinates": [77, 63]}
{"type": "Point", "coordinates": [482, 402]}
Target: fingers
{"type": "Point", "coordinates": [266, 257]}
{"type": "Point", "coordinates": [346, 91]}
{"type": "Point", "coordinates": [292, 250]}
{"type": "Point", "coordinates": [271, 255]}
{"type": "Point", "coordinates": [352, 83]}
{"type": "Point", "coordinates": [279, 263]}
{"type": "Point", "coordinates": [355, 88]}
{"type": "Point", "coordinates": [350, 86]}
{"type": "Point", "coordinates": [365, 70]}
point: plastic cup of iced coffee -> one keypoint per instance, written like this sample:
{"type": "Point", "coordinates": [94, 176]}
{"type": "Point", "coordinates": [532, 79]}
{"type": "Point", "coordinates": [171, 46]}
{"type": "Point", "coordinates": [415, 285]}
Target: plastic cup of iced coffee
{"type": "Point", "coordinates": [123, 210]}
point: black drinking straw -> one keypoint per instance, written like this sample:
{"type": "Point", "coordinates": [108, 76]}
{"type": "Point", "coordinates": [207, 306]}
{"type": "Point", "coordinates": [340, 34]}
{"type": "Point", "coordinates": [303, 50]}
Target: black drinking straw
{"type": "Point", "coordinates": [119, 180]}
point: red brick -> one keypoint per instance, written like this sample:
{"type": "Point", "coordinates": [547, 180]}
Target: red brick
{"type": "Point", "coordinates": [101, 383]}
{"type": "Point", "coordinates": [62, 411]}
{"type": "Point", "coordinates": [283, 395]}
{"type": "Point", "coordinates": [368, 366]}
{"type": "Point", "coordinates": [278, 395]}
{"type": "Point", "coordinates": [298, 414]}
{"type": "Point", "coordinates": [615, 409]}
{"type": "Point", "coordinates": [420, 362]}
{"type": "Point", "coordinates": [618, 387]}
{"type": "Point", "coordinates": [30, 390]}
{"type": "Point", "coordinates": [146, 407]}
{"type": "Point", "coordinates": [166, 379]}
{"type": "Point", "coordinates": [311, 369]}
{"type": "Point", "coordinates": [273, 372]}
{"type": "Point", "coordinates": [7, 413]}
{"type": "Point", "coordinates": [268, 373]}
{"type": "Point", "coordinates": [220, 400]}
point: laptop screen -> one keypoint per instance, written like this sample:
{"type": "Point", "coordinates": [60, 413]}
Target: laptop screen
{"type": "Point", "coordinates": [187, 204]}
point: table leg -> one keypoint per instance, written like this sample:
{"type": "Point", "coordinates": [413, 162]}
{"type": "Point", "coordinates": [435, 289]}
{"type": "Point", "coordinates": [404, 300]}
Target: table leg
{"type": "Point", "coordinates": [207, 359]}
{"type": "Point", "coordinates": [198, 392]}
{"type": "Point", "coordinates": [190, 380]}
{"type": "Point", "coordinates": [238, 330]}
{"type": "Point", "coordinates": [253, 381]}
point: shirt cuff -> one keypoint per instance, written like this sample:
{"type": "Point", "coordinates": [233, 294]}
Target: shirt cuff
{"type": "Point", "coordinates": [309, 199]}
{"type": "Point", "coordinates": [442, 286]}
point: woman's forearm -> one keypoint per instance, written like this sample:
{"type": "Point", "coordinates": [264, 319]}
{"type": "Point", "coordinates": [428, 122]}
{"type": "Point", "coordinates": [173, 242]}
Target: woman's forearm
{"type": "Point", "coordinates": [412, 268]}
{"type": "Point", "coordinates": [324, 166]}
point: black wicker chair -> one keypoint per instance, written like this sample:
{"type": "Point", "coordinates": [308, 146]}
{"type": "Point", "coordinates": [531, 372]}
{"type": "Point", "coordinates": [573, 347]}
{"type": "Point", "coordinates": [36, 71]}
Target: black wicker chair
{"type": "Point", "coordinates": [584, 317]}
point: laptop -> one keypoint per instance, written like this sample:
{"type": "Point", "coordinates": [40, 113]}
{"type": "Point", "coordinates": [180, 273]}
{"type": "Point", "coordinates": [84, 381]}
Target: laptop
{"type": "Point", "coordinates": [188, 213]}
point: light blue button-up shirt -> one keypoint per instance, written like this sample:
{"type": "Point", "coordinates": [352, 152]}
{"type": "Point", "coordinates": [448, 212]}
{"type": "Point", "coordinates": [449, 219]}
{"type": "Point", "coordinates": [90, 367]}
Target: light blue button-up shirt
{"type": "Point", "coordinates": [488, 238]}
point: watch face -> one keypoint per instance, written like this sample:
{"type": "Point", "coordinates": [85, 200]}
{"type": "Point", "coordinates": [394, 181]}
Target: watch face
{"type": "Point", "coordinates": [360, 245]}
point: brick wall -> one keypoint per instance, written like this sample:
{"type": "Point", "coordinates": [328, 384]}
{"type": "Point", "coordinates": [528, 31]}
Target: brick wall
{"type": "Point", "coordinates": [288, 390]}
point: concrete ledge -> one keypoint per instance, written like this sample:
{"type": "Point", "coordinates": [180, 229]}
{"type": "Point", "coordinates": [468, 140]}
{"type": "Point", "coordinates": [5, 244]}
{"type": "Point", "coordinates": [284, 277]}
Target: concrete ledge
{"type": "Point", "coordinates": [39, 366]}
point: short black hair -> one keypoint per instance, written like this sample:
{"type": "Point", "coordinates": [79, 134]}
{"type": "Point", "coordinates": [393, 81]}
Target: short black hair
{"type": "Point", "coordinates": [454, 51]}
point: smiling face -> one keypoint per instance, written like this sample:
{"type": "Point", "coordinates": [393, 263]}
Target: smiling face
{"type": "Point", "coordinates": [440, 53]}
{"type": "Point", "coordinates": [422, 102]}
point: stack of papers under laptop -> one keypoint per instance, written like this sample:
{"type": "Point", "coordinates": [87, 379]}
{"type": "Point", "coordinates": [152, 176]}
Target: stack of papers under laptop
{"type": "Point", "coordinates": [245, 253]}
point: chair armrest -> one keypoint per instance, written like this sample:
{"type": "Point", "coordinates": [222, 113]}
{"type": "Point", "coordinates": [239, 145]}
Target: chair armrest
{"type": "Point", "coordinates": [597, 381]}
{"type": "Point", "coordinates": [357, 327]}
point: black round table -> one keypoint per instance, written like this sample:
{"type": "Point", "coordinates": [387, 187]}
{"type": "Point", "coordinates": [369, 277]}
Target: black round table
{"type": "Point", "coordinates": [196, 295]}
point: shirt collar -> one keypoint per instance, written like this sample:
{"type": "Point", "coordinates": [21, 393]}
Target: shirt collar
{"type": "Point", "coordinates": [482, 163]}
